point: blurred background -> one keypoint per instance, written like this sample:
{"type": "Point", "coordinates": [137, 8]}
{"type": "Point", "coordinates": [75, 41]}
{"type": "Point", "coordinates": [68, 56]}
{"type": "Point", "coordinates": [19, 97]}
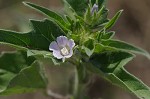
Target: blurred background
{"type": "Point", "coordinates": [133, 27]}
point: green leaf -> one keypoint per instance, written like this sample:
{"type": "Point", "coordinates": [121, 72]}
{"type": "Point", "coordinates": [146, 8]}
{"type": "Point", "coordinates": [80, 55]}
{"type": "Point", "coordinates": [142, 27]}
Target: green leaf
{"type": "Point", "coordinates": [69, 19]}
{"type": "Point", "coordinates": [43, 34]}
{"type": "Point", "coordinates": [101, 48]}
{"type": "Point", "coordinates": [78, 5]}
{"type": "Point", "coordinates": [108, 35]}
{"type": "Point", "coordinates": [69, 10]}
{"type": "Point", "coordinates": [37, 53]}
{"type": "Point", "coordinates": [125, 47]}
{"type": "Point", "coordinates": [100, 20]}
{"type": "Point", "coordinates": [75, 38]}
{"type": "Point", "coordinates": [5, 77]}
{"type": "Point", "coordinates": [11, 63]}
{"type": "Point", "coordinates": [101, 17]}
{"type": "Point", "coordinates": [14, 46]}
{"type": "Point", "coordinates": [52, 15]}
{"type": "Point", "coordinates": [47, 29]}
{"type": "Point", "coordinates": [87, 16]}
{"type": "Point", "coordinates": [89, 47]}
{"type": "Point", "coordinates": [110, 64]}
{"type": "Point", "coordinates": [12, 58]}
{"type": "Point", "coordinates": [113, 20]}
{"type": "Point", "coordinates": [28, 80]}
{"type": "Point", "coordinates": [108, 61]}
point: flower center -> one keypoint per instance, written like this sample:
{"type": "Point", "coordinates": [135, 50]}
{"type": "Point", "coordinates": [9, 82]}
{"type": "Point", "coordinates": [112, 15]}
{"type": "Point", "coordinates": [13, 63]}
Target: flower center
{"type": "Point", "coordinates": [64, 51]}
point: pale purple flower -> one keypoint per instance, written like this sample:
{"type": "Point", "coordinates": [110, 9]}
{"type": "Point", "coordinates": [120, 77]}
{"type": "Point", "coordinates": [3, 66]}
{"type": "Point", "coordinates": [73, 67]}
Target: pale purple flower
{"type": "Point", "coordinates": [62, 48]}
{"type": "Point", "coordinates": [94, 8]}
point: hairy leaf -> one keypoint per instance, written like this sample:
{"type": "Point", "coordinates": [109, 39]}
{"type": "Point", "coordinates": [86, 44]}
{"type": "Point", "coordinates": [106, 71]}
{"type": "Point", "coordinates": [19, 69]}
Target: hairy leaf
{"type": "Point", "coordinates": [10, 64]}
{"type": "Point", "coordinates": [43, 34]}
{"type": "Point", "coordinates": [12, 58]}
{"type": "Point", "coordinates": [108, 35]}
{"type": "Point", "coordinates": [89, 47]}
{"type": "Point", "coordinates": [100, 20]}
{"type": "Point", "coordinates": [28, 80]}
{"type": "Point", "coordinates": [110, 66]}
{"type": "Point", "coordinates": [40, 54]}
{"type": "Point", "coordinates": [52, 15]}
{"type": "Point", "coordinates": [113, 20]}
{"type": "Point", "coordinates": [101, 48]}
{"type": "Point", "coordinates": [125, 47]}
{"type": "Point", "coordinates": [78, 5]}
{"type": "Point", "coordinates": [69, 10]}
{"type": "Point", "coordinates": [101, 17]}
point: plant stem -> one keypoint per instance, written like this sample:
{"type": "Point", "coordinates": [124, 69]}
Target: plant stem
{"type": "Point", "coordinates": [81, 84]}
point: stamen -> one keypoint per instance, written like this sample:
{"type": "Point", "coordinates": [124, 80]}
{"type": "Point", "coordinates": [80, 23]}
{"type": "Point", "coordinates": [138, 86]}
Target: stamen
{"type": "Point", "coordinates": [64, 51]}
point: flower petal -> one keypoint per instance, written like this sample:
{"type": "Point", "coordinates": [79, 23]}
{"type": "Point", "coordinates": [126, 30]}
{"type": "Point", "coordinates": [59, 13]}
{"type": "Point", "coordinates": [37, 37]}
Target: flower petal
{"type": "Point", "coordinates": [53, 46]}
{"type": "Point", "coordinates": [70, 54]}
{"type": "Point", "coordinates": [58, 46]}
{"type": "Point", "coordinates": [62, 41]}
{"type": "Point", "coordinates": [94, 8]}
{"type": "Point", "coordinates": [71, 43]}
{"type": "Point", "coordinates": [57, 54]}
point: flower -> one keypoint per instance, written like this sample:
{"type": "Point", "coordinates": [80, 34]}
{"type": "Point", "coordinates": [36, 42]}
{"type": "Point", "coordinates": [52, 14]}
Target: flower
{"type": "Point", "coordinates": [62, 48]}
{"type": "Point", "coordinates": [94, 8]}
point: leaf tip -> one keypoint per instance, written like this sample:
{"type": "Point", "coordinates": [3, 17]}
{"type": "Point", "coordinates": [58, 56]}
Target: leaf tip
{"type": "Point", "coordinates": [121, 10]}
{"type": "Point", "coordinates": [25, 2]}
